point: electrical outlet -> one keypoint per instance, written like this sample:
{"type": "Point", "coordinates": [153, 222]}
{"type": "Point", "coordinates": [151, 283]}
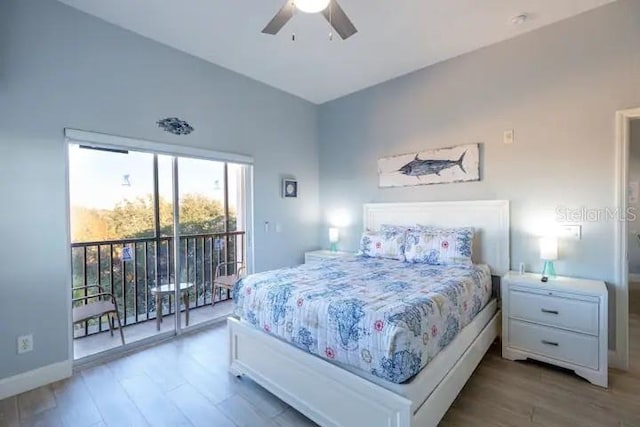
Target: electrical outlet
{"type": "Point", "coordinates": [25, 344]}
{"type": "Point", "coordinates": [509, 136]}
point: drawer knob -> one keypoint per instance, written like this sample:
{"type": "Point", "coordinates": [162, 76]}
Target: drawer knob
{"type": "Point", "coordinates": [555, 344]}
{"type": "Point", "coordinates": [544, 310]}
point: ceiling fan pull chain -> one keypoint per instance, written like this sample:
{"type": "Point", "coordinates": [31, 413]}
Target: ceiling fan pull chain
{"type": "Point", "coordinates": [293, 6]}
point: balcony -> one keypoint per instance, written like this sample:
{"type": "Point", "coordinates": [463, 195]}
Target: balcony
{"type": "Point", "coordinates": [129, 269]}
{"type": "Point", "coordinates": [88, 346]}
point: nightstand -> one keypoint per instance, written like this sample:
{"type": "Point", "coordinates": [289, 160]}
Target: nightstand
{"type": "Point", "coordinates": [314, 256]}
{"type": "Point", "coordinates": [562, 322]}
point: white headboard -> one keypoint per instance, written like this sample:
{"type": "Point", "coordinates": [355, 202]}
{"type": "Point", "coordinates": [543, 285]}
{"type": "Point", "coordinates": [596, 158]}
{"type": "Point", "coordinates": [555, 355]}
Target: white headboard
{"type": "Point", "coordinates": [489, 218]}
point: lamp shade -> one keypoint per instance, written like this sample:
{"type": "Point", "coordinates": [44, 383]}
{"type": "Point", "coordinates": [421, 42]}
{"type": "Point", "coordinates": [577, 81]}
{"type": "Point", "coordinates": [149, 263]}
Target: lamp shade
{"type": "Point", "coordinates": [334, 235]}
{"type": "Point", "coordinates": [549, 248]}
{"type": "Point", "coordinates": [339, 218]}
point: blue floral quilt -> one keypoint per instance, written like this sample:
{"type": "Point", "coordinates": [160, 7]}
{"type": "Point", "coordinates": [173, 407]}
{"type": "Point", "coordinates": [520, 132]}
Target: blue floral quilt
{"type": "Point", "coordinates": [384, 316]}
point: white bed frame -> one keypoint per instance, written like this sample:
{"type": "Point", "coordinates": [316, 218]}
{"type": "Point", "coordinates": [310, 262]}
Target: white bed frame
{"type": "Point", "coordinates": [332, 396]}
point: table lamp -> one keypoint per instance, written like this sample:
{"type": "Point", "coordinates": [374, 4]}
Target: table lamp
{"type": "Point", "coordinates": [334, 237]}
{"type": "Point", "coordinates": [548, 253]}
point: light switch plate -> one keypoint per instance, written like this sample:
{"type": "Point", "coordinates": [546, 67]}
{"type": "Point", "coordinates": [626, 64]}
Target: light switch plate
{"type": "Point", "coordinates": [509, 136]}
{"type": "Point", "coordinates": [573, 232]}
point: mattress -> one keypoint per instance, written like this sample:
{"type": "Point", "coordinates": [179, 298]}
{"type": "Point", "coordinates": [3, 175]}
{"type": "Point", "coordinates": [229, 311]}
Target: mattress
{"type": "Point", "coordinates": [425, 382]}
{"type": "Point", "coordinates": [386, 317]}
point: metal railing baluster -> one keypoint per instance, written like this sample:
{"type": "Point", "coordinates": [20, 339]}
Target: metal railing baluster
{"type": "Point", "coordinates": [135, 279]}
{"type": "Point", "coordinates": [205, 253]}
{"type": "Point", "coordinates": [146, 280]}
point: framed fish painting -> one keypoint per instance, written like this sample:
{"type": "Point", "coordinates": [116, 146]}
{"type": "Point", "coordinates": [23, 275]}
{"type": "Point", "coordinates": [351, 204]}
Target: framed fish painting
{"type": "Point", "coordinates": [439, 166]}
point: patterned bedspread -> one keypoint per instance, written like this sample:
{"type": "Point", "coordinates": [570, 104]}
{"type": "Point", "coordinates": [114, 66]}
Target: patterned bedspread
{"type": "Point", "coordinates": [386, 317]}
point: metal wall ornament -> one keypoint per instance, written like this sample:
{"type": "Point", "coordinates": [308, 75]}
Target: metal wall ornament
{"type": "Point", "coordinates": [175, 126]}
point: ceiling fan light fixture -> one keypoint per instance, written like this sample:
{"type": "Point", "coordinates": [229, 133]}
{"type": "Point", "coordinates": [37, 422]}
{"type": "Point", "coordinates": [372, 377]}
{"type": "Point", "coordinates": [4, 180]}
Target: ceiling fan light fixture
{"type": "Point", "coordinates": [330, 9]}
{"type": "Point", "coordinates": [312, 6]}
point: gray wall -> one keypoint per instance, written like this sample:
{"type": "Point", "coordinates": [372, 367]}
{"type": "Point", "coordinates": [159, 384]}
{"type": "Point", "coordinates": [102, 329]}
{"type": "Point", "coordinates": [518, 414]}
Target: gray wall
{"type": "Point", "coordinates": [61, 68]}
{"type": "Point", "coordinates": [634, 176]}
{"type": "Point", "coordinates": [558, 87]}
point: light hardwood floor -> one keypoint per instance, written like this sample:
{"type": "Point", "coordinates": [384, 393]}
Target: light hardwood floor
{"type": "Point", "coordinates": [184, 383]}
{"type": "Point", "coordinates": [85, 348]}
{"type": "Point", "coordinates": [503, 393]}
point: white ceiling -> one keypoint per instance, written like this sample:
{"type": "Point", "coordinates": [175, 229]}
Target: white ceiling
{"type": "Point", "coordinates": [395, 36]}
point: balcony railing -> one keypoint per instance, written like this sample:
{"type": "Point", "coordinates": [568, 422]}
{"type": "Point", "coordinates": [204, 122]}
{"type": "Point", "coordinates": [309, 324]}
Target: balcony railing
{"type": "Point", "coordinates": [130, 268]}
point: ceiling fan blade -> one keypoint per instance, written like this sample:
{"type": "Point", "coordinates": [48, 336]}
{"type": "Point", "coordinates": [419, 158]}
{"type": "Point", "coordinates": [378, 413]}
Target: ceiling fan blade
{"type": "Point", "coordinates": [339, 20]}
{"type": "Point", "coordinates": [280, 20]}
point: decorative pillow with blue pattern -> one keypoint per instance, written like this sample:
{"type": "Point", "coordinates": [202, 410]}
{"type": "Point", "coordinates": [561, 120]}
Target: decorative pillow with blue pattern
{"type": "Point", "coordinates": [384, 228]}
{"type": "Point", "coordinates": [385, 244]}
{"type": "Point", "coordinates": [438, 246]}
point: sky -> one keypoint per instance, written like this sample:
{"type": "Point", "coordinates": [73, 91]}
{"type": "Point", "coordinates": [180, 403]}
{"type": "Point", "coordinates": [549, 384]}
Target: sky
{"type": "Point", "coordinates": [97, 178]}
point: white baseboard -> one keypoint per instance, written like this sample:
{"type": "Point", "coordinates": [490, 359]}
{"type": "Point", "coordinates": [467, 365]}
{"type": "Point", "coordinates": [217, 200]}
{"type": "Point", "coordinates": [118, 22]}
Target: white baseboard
{"type": "Point", "coordinates": [616, 362]}
{"type": "Point", "coordinates": [36, 378]}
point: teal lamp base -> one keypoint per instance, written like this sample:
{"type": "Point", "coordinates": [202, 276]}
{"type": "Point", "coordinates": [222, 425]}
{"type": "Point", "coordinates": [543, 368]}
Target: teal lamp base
{"type": "Point", "coordinates": [548, 270]}
{"type": "Point", "coordinates": [334, 247]}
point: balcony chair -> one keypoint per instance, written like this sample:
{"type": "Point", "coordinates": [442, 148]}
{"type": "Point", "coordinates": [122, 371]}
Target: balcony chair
{"type": "Point", "coordinates": [103, 304]}
{"type": "Point", "coordinates": [227, 281]}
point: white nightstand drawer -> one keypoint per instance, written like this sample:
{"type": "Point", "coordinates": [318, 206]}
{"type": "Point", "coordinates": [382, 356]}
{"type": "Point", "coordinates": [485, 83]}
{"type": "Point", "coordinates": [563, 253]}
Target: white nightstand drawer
{"type": "Point", "coordinates": [578, 349]}
{"type": "Point", "coordinates": [562, 321]}
{"type": "Point", "coordinates": [573, 314]}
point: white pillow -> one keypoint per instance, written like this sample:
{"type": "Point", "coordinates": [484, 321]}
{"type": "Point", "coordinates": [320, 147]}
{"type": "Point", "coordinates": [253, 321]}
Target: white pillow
{"type": "Point", "coordinates": [390, 227]}
{"type": "Point", "coordinates": [387, 244]}
{"type": "Point", "coordinates": [438, 246]}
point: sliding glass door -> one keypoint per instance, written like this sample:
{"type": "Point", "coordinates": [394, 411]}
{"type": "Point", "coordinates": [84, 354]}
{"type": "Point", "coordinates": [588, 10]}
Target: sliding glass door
{"type": "Point", "coordinates": [153, 231]}
{"type": "Point", "coordinates": [211, 233]}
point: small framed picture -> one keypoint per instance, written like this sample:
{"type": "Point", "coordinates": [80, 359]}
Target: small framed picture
{"type": "Point", "coordinates": [289, 188]}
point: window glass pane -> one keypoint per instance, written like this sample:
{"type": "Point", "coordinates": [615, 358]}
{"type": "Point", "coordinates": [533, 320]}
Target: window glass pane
{"type": "Point", "coordinates": [201, 187]}
{"type": "Point", "coordinates": [111, 194]}
{"type": "Point", "coordinates": [235, 185]}
{"type": "Point", "coordinates": [165, 194]}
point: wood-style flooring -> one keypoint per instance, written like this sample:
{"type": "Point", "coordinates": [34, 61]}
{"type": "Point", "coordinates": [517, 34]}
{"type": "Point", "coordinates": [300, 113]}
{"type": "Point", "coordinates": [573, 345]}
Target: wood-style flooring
{"type": "Point", "coordinates": [86, 348]}
{"type": "Point", "coordinates": [184, 383]}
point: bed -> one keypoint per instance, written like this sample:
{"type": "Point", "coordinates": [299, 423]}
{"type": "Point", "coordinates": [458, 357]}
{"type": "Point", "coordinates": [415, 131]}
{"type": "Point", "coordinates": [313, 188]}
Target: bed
{"type": "Point", "coordinates": [382, 316]}
{"type": "Point", "coordinates": [366, 341]}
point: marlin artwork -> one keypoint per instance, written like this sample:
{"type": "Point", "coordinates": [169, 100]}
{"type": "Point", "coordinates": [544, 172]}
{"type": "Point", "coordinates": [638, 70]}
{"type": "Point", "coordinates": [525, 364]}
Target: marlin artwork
{"type": "Point", "coordinates": [418, 167]}
{"type": "Point", "coordinates": [444, 165]}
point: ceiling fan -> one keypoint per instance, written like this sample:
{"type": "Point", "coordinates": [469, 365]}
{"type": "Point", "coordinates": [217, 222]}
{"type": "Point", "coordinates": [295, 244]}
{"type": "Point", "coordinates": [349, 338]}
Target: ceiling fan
{"type": "Point", "coordinates": [331, 10]}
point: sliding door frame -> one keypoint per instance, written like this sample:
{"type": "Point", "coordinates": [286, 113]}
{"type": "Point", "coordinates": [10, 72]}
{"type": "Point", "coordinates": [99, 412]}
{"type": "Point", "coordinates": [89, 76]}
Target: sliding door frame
{"type": "Point", "coordinates": [177, 264]}
{"type": "Point", "coordinates": [101, 140]}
